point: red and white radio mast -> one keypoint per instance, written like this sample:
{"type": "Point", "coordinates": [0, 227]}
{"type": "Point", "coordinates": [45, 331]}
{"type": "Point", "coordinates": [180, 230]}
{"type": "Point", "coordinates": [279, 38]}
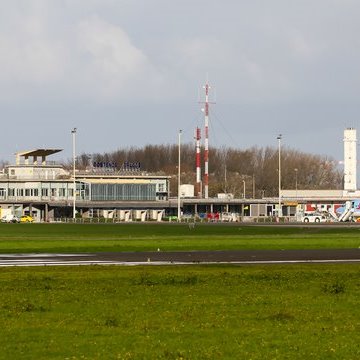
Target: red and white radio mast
{"type": "Point", "coordinates": [198, 166]}
{"type": "Point", "coordinates": [206, 143]}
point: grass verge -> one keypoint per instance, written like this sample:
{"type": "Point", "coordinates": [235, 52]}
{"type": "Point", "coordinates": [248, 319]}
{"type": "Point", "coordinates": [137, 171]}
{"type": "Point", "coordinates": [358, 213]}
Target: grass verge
{"type": "Point", "coordinates": [210, 312]}
{"type": "Point", "coordinates": [29, 238]}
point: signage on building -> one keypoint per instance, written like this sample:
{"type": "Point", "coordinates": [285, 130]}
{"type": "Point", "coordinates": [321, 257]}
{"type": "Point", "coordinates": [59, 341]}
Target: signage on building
{"type": "Point", "coordinates": [131, 166]}
{"type": "Point", "coordinates": [104, 164]}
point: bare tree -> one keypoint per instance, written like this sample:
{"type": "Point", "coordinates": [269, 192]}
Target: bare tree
{"type": "Point", "coordinates": [230, 167]}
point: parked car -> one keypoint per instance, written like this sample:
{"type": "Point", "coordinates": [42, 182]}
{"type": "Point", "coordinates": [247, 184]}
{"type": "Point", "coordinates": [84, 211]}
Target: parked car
{"type": "Point", "coordinates": [10, 218]}
{"type": "Point", "coordinates": [26, 219]}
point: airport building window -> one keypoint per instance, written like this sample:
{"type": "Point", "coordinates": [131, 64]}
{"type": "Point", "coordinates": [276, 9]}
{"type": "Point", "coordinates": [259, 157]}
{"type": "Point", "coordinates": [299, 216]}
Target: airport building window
{"type": "Point", "coordinates": [113, 192]}
{"type": "Point", "coordinates": [31, 192]}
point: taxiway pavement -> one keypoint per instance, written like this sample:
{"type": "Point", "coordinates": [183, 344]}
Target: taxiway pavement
{"type": "Point", "coordinates": [185, 257]}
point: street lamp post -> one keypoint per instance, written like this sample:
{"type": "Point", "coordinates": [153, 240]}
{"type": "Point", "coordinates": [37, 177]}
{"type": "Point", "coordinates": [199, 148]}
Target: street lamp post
{"type": "Point", "coordinates": [279, 141]}
{"type": "Point", "coordinates": [244, 189]}
{"type": "Point", "coordinates": [296, 181]}
{"type": "Point", "coordinates": [179, 164]}
{"type": "Point", "coordinates": [73, 132]}
{"type": "Point", "coordinates": [253, 185]}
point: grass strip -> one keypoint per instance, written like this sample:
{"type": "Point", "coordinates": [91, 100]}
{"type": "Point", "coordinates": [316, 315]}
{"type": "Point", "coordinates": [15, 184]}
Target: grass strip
{"type": "Point", "coordinates": [208, 312]}
{"type": "Point", "coordinates": [28, 238]}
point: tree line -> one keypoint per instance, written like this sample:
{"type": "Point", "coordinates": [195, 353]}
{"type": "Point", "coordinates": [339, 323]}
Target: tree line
{"type": "Point", "coordinates": [231, 170]}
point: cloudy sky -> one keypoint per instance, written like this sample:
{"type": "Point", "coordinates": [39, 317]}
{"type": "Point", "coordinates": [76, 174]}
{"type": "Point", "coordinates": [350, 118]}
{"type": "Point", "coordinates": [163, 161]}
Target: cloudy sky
{"type": "Point", "coordinates": [130, 72]}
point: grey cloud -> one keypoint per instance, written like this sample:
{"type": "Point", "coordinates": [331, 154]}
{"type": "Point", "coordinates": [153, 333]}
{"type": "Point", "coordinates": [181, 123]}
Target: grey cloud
{"type": "Point", "coordinates": [134, 66]}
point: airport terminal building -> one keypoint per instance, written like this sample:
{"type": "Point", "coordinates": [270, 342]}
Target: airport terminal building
{"type": "Point", "coordinates": [45, 189]}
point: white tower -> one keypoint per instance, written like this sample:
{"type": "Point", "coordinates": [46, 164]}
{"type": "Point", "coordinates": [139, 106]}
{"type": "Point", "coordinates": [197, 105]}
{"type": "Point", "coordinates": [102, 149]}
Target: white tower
{"type": "Point", "coordinates": [350, 159]}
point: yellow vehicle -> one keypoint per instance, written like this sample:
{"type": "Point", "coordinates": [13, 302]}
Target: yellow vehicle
{"type": "Point", "coordinates": [26, 219]}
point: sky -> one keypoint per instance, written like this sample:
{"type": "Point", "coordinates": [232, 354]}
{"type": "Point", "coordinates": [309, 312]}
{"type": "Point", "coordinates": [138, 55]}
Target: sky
{"type": "Point", "coordinates": [131, 72]}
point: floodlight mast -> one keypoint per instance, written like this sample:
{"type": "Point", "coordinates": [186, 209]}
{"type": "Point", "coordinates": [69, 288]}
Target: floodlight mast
{"type": "Point", "coordinates": [179, 173]}
{"type": "Point", "coordinates": [279, 172]}
{"type": "Point", "coordinates": [73, 132]}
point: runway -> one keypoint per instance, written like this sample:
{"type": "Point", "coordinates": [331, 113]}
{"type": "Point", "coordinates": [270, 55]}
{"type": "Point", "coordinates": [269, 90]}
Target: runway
{"type": "Point", "coordinates": [236, 257]}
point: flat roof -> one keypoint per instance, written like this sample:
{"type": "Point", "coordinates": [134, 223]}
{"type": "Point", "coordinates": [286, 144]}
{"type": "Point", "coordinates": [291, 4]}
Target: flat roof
{"type": "Point", "coordinates": [38, 152]}
{"type": "Point", "coordinates": [116, 181]}
{"type": "Point", "coordinates": [115, 176]}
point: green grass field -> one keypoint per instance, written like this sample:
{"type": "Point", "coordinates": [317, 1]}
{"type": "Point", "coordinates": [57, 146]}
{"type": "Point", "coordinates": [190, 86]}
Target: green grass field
{"type": "Point", "coordinates": [169, 237]}
{"type": "Point", "coordinates": [190, 312]}
{"type": "Point", "coordinates": [211, 312]}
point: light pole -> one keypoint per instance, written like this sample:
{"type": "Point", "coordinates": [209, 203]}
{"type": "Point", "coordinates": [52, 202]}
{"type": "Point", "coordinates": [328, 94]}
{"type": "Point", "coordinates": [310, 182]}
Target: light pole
{"type": "Point", "coordinates": [73, 132]}
{"type": "Point", "coordinates": [244, 189]}
{"type": "Point", "coordinates": [253, 184]}
{"type": "Point", "coordinates": [279, 141]}
{"type": "Point", "coordinates": [225, 179]}
{"type": "Point", "coordinates": [296, 181]}
{"type": "Point", "coordinates": [179, 164]}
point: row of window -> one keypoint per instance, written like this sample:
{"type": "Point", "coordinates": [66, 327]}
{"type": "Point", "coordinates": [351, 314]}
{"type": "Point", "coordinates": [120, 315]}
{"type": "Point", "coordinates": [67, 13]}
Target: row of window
{"type": "Point", "coordinates": [98, 192]}
{"type": "Point", "coordinates": [113, 192]}
{"type": "Point", "coordinates": [61, 192]}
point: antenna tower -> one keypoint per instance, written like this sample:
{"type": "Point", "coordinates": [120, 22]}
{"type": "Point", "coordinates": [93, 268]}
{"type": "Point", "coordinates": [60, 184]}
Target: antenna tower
{"type": "Point", "coordinates": [206, 144]}
{"type": "Point", "coordinates": [198, 167]}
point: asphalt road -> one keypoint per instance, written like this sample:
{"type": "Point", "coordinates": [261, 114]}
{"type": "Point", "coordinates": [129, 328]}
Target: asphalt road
{"type": "Point", "coordinates": [185, 257]}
